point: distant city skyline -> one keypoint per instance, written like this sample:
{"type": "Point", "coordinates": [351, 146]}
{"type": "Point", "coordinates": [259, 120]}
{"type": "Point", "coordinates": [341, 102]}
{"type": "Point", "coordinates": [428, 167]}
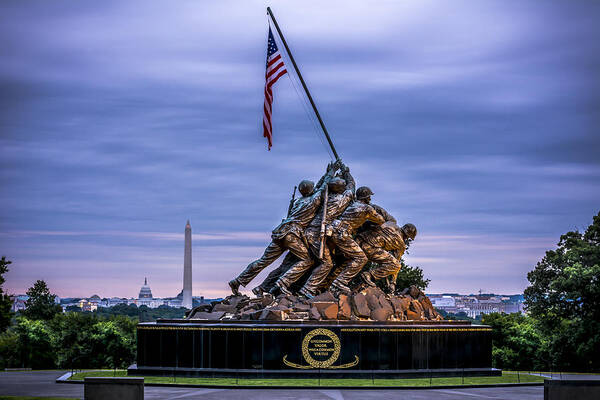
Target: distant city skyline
{"type": "Point", "coordinates": [478, 292]}
{"type": "Point", "coordinates": [476, 121]}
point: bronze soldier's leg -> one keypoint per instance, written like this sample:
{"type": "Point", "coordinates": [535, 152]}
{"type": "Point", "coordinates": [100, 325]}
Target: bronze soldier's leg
{"type": "Point", "coordinates": [298, 248]}
{"type": "Point", "coordinates": [272, 253]}
{"type": "Point", "coordinates": [356, 259]}
{"type": "Point", "coordinates": [289, 260]}
{"type": "Point", "coordinates": [320, 272]}
{"type": "Point", "coordinates": [388, 264]}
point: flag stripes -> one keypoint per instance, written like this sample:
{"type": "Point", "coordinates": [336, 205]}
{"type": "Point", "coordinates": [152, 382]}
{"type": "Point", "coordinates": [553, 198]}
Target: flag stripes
{"type": "Point", "coordinates": [275, 70]}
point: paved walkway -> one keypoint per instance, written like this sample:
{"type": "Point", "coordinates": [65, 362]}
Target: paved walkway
{"type": "Point", "coordinates": [525, 393]}
{"type": "Point", "coordinates": [41, 383]}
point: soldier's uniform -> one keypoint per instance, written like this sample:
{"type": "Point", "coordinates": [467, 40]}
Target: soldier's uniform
{"type": "Point", "coordinates": [342, 232]}
{"type": "Point", "coordinates": [378, 244]}
{"type": "Point", "coordinates": [269, 282]}
{"type": "Point", "coordinates": [289, 235]}
{"type": "Point", "coordinates": [336, 204]}
{"type": "Point", "coordinates": [381, 211]}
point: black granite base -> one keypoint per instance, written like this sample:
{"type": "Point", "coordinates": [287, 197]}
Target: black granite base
{"type": "Point", "coordinates": [304, 349]}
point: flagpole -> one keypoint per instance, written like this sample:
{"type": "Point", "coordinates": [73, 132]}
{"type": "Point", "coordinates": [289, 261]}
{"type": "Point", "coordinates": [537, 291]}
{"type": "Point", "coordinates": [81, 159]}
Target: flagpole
{"type": "Point", "coordinates": [312, 103]}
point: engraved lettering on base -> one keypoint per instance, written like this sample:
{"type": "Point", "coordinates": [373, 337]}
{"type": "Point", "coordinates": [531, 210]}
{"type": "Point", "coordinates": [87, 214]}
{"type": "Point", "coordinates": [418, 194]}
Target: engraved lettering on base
{"type": "Point", "coordinates": [320, 349]}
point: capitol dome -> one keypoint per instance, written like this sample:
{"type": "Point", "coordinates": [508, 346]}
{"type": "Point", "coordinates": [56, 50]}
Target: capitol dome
{"type": "Point", "coordinates": [145, 292]}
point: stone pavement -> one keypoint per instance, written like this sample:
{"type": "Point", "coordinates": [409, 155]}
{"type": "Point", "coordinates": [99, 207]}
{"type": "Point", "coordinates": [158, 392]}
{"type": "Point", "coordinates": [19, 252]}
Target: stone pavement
{"type": "Point", "coordinates": [41, 383]}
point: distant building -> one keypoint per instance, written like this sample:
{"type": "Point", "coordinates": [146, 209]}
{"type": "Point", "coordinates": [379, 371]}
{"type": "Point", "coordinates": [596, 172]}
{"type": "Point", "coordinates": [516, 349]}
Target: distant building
{"type": "Point", "coordinates": [113, 301]}
{"type": "Point", "coordinates": [145, 297]}
{"type": "Point", "coordinates": [145, 292]}
{"type": "Point", "coordinates": [476, 305]}
{"type": "Point", "coordinates": [87, 305]}
{"type": "Point", "coordinates": [444, 302]}
{"type": "Point", "coordinates": [18, 302]}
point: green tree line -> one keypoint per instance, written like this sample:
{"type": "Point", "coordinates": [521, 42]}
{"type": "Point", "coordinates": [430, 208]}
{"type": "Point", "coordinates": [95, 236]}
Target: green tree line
{"type": "Point", "coordinates": [70, 340]}
{"type": "Point", "coordinates": [561, 330]}
{"type": "Point", "coordinates": [142, 313]}
{"type": "Point", "coordinates": [43, 337]}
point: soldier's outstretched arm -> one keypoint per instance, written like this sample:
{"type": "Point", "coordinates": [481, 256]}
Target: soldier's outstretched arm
{"type": "Point", "coordinates": [376, 218]}
{"type": "Point", "coordinates": [350, 184]}
{"type": "Point", "coordinates": [386, 215]}
{"type": "Point", "coordinates": [331, 168]}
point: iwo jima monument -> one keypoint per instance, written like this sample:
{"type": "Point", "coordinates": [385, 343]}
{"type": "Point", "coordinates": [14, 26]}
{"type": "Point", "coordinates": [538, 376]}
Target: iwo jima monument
{"type": "Point", "coordinates": [331, 308]}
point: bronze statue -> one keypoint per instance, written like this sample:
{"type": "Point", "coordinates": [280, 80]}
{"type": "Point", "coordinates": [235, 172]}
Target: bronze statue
{"type": "Point", "coordinates": [342, 237]}
{"type": "Point", "coordinates": [381, 211]}
{"type": "Point", "coordinates": [289, 234]}
{"type": "Point", "coordinates": [337, 230]}
{"type": "Point", "coordinates": [341, 193]}
{"type": "Point", "coordinates": [385, 245]}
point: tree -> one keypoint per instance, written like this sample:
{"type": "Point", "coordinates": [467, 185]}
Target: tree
{"type": "Point", "coordinates": [5, 302]}
{"type": "Point", "coordinates": [71, 340]}
{"type": "Point", "coordinates": [142, 313]}
{"type": "Point", "coordinates": [517, 343]}
{"type": "Point", "coordinates": [564, 297]}
{"type": "Point", "coordinates": [114, 340]}
{"type": "Point", "coordinates": [459, 316]}
{"type": "Point", "coordinates": [9, 350]}
{"type": "Point", "coordinates": [35, 344]}
{"type": "Point", "coordinates": [130, 310]}
{"type": "Point", "coordinates": [409, 276]}
{"type": "Point", "coordinates": [40, 304]}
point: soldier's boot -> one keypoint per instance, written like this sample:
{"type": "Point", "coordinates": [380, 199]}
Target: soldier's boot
{"type": "Point", "coordinates": [338, 287]}
{"type": "Point", "coordinates": [283, 288]}
{"type": "Point", "coordinates": [274, 291]}
{"type": "Point", "coordinates": [234, 284]}
{"type": "Point", "coordinates": [366, 277]}
{"type": "Point", "coordinates": [258, 291]}
{"type": "Point", "coordinates": [306, 293]}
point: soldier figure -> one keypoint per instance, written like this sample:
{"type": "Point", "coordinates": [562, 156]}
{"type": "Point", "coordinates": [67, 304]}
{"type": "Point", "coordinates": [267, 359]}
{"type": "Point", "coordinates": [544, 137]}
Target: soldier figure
{"type": "Point", "coordinates": [379, 243]}
{"type": "Point", "coordinates": [341, 193]}
{"type": "Point", "coordinates": [268, 283]}
{"type": "Point", "coordinates": [342, 232]}
{"type": "Point", "coordinates": [289, 234]}
{"type": "Point", "coordinates": [381, 211]}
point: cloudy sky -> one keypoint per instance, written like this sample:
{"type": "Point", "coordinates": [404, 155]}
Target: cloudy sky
{"type": "Point", "coordinates": [476, 120]}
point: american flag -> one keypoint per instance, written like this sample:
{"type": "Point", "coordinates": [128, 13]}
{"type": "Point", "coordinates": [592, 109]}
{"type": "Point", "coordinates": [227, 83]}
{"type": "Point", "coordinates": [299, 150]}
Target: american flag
{"type": "Point", "coordinates": [275, 70]}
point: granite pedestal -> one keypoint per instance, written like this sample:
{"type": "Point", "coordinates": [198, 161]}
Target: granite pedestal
{"type": "Point", "coordinates": [357, 349]}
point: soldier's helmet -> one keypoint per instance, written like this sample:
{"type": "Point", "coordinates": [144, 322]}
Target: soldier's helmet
{"type": "Point", "coordinates": [363, 192]}
{"type": "Point", "coordinates": [306, 187]}
{"type": "Point", "coordinates": [337, 185]}
{"type": "Point", "coordinates": [410, 231]}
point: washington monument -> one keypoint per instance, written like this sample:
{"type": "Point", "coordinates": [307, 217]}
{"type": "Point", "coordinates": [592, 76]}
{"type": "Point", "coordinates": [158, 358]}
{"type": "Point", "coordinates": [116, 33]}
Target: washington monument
{"type": "Point", "coordinates": [187, 268]}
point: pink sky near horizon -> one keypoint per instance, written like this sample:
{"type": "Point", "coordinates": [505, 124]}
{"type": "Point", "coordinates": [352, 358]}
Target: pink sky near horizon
{"type": "Point", "coordinates": [494, 257]}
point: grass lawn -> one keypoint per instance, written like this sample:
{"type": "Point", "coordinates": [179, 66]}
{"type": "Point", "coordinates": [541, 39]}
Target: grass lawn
{"type": "Point", "coordinates": [507, 377]}
{"type": "Point", "coordinates": [34, 398]}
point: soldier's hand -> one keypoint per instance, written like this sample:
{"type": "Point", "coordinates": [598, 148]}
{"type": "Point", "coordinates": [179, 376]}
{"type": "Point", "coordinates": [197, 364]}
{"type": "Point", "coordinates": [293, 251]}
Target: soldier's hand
{"type": "Point", "coordinates": [391, 284]}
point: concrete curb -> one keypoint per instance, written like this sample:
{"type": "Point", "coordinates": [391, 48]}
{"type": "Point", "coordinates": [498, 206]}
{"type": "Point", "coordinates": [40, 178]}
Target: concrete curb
{"type": "Point", "coordinates": [185, 385]}
{"type": "Point", "coordinates": [63, 378]}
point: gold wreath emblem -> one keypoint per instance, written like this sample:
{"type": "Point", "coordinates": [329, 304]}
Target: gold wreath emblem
{"type": "Point", "coordinates": [332, 358]}
{"type": "Point", "coordinates": [328, 363]}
